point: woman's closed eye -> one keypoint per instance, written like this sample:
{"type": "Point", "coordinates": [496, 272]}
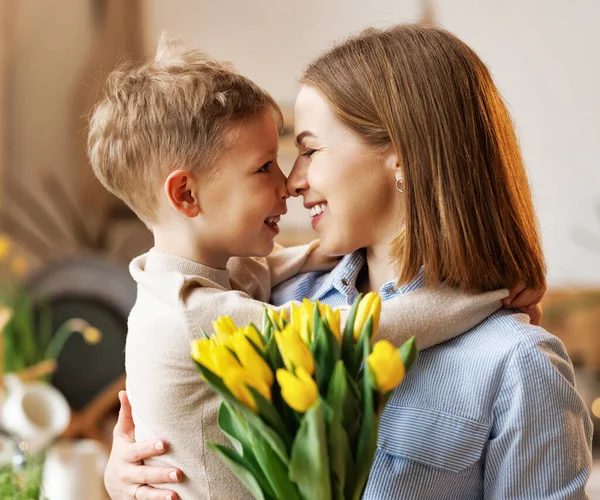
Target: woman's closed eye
{"type": "Point", "coordinates": [308, 153]}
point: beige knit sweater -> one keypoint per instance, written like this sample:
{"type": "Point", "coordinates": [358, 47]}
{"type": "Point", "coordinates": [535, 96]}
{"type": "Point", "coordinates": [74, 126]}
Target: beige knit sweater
{"type": "Point", "coordinates": [177, 296]}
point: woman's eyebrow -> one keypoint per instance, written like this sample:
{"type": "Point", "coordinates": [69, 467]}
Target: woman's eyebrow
{"type": "Point", "coordinates": [300, 137]}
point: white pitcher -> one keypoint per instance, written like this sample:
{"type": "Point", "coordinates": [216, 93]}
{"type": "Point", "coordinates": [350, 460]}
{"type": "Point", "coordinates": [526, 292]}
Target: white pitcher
{"type": "Point", "coordinates": [74, 470]}
{"type": "Point", "coordinates": [35, 413]}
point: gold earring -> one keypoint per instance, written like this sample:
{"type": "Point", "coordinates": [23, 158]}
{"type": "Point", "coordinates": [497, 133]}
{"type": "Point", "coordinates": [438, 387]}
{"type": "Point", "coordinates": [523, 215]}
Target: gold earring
{"type": "Point", "coordinates": [398, 181]}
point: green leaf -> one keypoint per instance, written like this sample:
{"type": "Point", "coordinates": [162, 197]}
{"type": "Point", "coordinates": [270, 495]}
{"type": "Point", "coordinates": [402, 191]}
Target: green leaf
{"type": "Point", "coordinates": [340, 454]}
{"type": "Point", "coordinates": [309, 463]}
{"type": "Point", "coordinates": [273, 468]}
{"type": "Point", "coordinates": [363, 345]}
{"type": "Point", "coordinates": [236, 429]}
{"type": "Point", "coordinates": [367, 440]}
{"type": "Point", "coordinates": [408, 353]}
{"type": "Point", "coordinates": [267, 328]}
{"type": "Point", "coordinates": [348, 334]}
{"type": "Point", "coordinates": [239, 467]}
{"type": "Point", "coordinates": [271, 416]}
{"type": "Point", "coordinates": [252, 418]}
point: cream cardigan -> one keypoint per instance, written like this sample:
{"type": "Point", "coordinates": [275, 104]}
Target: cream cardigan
{"type": "Point", "coordinates": [177, 296]}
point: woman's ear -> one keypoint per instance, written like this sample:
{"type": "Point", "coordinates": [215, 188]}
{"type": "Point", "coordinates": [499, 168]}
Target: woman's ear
{"type": "Point", "coordinates": [182, 193]}
{"type": "Point", "coordinates": [392, 163]}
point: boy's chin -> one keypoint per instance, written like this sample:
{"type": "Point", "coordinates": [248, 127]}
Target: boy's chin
{"type": "Point", "coordinates": [261, 249]}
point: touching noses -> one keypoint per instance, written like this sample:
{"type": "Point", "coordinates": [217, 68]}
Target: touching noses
{"type": "Point", "coordinates": [297, 182]}
{"type": "Point", "coordinates": [282, 191]}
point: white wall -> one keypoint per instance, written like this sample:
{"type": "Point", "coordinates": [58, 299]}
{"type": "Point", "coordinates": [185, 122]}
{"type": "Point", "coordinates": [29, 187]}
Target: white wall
{"type": "Point", "coordinates": [545, 57]}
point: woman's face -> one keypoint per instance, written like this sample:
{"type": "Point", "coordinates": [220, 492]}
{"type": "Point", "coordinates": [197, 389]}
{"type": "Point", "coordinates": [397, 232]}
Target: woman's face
{"type": "Point", "coordinates": [348, 187]}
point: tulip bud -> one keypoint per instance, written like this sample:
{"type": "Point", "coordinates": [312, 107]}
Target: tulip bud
{"type": "Point", "coordinates": [333, 319]}
{"type": "Point", "coordinates": [249, 358]}
{"type": "Point", "coordinates": [299, 391]}
{"type": "Point", "coordinates": [278, 319]}
{"type": "Point", "coordinates": [237, 380]}
{"type": "Point", "coordinates": [369, 306]}
{"type": "Point", "coordinates": [224, 328]}
{"type": "Point", "coordinates": [294, 351]}
{"type": "Point", "coordinates": [217, 358]}
{"type": "Point", "coordinates": [386, 366]}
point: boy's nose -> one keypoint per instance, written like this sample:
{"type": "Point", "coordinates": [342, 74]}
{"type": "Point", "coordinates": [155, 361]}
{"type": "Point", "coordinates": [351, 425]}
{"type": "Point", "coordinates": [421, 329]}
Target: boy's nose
{"type": "Point", "coordinates": [297, 182]}
{"type": "Point", "coordinates": [282, 190]}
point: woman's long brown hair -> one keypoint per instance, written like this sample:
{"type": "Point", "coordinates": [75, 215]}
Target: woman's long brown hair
{"type": "Point", "coordinates": [469, 215]}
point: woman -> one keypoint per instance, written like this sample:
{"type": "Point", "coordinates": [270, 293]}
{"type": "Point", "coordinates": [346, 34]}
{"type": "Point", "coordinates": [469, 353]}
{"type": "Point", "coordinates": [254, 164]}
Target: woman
{"type": "Point", "coordinates": [411, 114]}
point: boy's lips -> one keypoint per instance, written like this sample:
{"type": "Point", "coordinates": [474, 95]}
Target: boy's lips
{"type": "Point", "coordinates": [272, 223]}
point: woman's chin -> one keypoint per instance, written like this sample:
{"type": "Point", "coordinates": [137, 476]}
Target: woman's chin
{"type": "Point", "coordinates": [334, 248]}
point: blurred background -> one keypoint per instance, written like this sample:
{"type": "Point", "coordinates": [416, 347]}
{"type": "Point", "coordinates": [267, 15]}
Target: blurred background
{"type": "Point", "coordinates": [66, 243]}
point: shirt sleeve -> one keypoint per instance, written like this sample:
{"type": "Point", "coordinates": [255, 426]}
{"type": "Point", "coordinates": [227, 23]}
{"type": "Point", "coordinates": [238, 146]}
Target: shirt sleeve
{"type": "Point", "coordinates": [541, 437]}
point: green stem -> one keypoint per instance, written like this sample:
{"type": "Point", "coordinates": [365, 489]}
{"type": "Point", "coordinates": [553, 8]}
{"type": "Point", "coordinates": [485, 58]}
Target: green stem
{"type": "Point", "coordinates": [58, 340]}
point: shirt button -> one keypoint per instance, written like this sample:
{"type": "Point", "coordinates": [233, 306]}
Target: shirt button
{"type": "Point", "coordinates": [345, 282]}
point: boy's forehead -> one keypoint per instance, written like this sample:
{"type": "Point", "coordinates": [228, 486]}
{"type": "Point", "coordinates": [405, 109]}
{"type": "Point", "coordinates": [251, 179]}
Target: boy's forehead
{"type": "Point", "coordinates": [255, 136]}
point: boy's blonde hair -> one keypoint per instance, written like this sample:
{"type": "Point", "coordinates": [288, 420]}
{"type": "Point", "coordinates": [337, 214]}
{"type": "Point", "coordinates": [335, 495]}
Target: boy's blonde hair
{"type": "Point", "coordinates": [176, 112]}
{"type": "Point", "coordinates": [469, 215]}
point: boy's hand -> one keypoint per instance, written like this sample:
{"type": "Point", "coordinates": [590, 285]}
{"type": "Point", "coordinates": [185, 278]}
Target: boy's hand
{"type": "Point", "coordinates": [527, 301]}
{"type": "Point", "coordinates": [126, 475]}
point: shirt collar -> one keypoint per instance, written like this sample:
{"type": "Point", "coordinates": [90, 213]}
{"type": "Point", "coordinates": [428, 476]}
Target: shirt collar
{"type": "Point", "coordinates": [343, 279]}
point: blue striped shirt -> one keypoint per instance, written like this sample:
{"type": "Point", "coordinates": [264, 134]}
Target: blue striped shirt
{"type": "Point", "coordinates": [493, 413]}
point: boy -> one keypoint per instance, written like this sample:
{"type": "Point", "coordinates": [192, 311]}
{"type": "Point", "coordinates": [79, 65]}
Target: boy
{"type": "Point", "coordinates": [191, 147]}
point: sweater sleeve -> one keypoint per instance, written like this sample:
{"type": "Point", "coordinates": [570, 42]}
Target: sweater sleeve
{"type": "Point", "coordinates": [432, 315]}
{"type": "Point", "coordinates": [257, 275]}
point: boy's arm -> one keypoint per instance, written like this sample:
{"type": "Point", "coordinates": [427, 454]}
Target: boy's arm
{"type": "Point", "coordinates": [432, 315]}
{"type": "Point", "coordinates": [257, 275]}
{"type": "Point", "coordinates": [435, 315]}
{"type": "Point", "coordinates": [286, 262]}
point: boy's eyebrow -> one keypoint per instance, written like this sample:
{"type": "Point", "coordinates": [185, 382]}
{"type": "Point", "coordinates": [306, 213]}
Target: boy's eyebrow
{"type": "Point", "coordinates": [300, 137]}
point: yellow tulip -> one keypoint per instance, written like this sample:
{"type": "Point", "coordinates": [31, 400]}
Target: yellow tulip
{"type": "Point", "coordinates": [299, 391]}
{"type": "Point", "coordinates": [249, 358]}
{"type": "Point", "coordinates": [277, 318]}
{"type": "Point", "coordinates": [92, 335]}
{"type": "Point", "coordinates": [386, 365]}
{"type": "Point", "coordinates": [302, 320]}
{"type": "Point", "coordinates": [224, 328]}
{"type": "Point", "coordinates": [333, 319]}
{"type": "Point", "coordinates": [252, 333]}
{"type": "Point", "coordinates": [216, 357]}
{"type": "Point", "coordinates": [294, 351]}
{"type": "Point", "coordinates": [5, 246]}
{"type": "Point", "coordinates": [370, 305]}
{"type": "Point", "coordinates": [237, 381]}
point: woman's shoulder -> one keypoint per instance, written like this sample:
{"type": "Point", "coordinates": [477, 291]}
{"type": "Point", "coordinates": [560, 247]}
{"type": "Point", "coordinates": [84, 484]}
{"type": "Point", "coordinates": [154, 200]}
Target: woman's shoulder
{"type": "Point", "coordinates": [507, 338]}
{"type": "Point", "coordinates": [507, 329]}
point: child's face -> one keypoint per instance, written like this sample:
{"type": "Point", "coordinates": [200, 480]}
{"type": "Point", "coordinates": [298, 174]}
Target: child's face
{"type": "Point", "coordinates": [242, 204]}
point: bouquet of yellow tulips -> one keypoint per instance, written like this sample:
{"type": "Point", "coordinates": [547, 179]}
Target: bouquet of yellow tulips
{"type": "Point", "coordinates": [302, 402]}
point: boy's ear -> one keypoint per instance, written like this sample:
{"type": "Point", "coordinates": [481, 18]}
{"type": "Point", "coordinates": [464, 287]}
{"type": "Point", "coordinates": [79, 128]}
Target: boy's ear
{"type": "Point", "coordinates": [181, 189]}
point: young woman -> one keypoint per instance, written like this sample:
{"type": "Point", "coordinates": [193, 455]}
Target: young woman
{"type": "Point", "coordinates": [410, 167]}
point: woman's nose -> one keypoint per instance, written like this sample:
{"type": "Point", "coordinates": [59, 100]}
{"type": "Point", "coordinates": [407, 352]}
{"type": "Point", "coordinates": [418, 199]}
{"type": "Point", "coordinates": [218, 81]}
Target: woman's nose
{"type": "Point", "coordinates": [297, 182]}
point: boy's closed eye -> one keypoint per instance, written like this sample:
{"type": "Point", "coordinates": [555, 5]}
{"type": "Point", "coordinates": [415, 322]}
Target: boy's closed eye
{"type": "Point", "coordinates": [265, 168]}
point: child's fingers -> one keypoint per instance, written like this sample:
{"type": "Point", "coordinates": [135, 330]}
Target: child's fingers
{"type": "Point", "coordinates": [149, 493]}
{"type": "Point", "coordinates": [124, 426]}
{"type": "Point", "coordinates": [138, 451]}
{"type": "Point", "coordinates": [513, 292]}
{"type": "Point", "coordinates": [527, 298]}
{"type": "Point", "coordinates": [143, 474]}
{"type": "Point", "coordinates": [535, 314]}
